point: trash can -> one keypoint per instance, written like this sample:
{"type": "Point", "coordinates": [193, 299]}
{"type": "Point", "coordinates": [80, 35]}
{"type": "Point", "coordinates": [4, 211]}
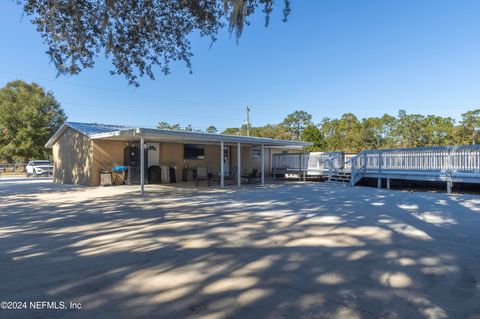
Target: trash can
{"type": "Point", "coordinates": [123, 170]}
{"type": "Point", "coordinates": [105, 178]}
{"type": "Point", "coordinates": [154, 174]}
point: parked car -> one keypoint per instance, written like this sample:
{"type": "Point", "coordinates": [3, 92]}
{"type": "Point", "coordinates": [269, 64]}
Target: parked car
{"type": "Point", "coordinates": [39, 167]}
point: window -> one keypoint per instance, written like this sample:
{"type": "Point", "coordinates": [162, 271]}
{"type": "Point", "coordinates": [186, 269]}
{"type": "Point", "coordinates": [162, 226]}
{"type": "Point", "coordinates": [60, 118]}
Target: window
{"type": "Point", "coordinates": [193, 151]}
{"type": "Point", "coordinates": [42, 163]}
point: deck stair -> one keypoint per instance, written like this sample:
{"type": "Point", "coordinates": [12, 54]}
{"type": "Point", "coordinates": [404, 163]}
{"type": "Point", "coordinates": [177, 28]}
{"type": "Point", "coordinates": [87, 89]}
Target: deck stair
{"type": "Point", "coordinates": [341, 176]}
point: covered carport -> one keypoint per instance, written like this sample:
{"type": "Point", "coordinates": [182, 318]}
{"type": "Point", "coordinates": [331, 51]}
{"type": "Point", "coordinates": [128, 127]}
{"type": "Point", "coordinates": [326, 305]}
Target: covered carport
{"type": "Point", "coordinates": [144, 135]}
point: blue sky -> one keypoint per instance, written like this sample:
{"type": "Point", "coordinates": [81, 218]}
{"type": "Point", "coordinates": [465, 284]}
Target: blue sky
{"type": "Point", "coordinates": [331, 57]}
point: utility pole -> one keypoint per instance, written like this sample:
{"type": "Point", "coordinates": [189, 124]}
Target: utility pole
{"type": "Point", "coordinates": [247, 119]}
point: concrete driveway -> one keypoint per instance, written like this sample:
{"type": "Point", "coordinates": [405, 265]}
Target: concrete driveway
{"type": "Point", "coordinates": [284, 251]}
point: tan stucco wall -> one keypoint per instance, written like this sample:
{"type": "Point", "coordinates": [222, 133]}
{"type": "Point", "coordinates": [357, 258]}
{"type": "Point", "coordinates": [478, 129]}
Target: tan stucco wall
{"type": "Point", "coordinates": [72, 158]}
{"type": "Point", "coordinates": [78, 160]}
{"type": "Point", "coordinates": [106, 155]}
{"type": "Point", "coordinates": [172, 154]}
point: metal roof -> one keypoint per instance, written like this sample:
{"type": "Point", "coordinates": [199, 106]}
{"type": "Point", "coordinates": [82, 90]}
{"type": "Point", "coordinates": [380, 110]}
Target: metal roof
{"type": "Point", "coordinates": [125, 133]}
{"type": "Point", "coordinates": [87, 129]}
{"type": "Point", "coordinates": [90, 129]}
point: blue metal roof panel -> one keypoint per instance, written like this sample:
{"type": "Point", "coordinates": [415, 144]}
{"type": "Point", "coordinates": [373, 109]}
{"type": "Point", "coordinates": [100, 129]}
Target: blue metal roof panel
{"type": "Point", "coordinates": [90, 129]}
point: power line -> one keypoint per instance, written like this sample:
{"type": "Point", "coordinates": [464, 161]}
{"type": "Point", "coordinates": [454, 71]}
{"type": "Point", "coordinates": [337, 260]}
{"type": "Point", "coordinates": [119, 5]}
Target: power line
{"type": "Point", "coordinates": [160, 113]}
{"type": "Point", "coordinates": [152, 109]}
{"type": "Point", "coordinates": [123, 92]}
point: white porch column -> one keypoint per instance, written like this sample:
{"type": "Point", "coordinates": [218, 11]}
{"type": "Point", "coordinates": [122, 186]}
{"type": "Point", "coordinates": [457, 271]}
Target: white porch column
{"type": "Point", "coordinates": [142, 165]}
{"type": "Point", "coordinates": [270, 163]}
{"type": "Point", "coordinates": [239, 166]}
{"type": "Point", "coordinates": [263, 164]}
{"type": "Point", "coordinates": [305, 164]}
{"type": "Point", "coordinates": [222, 164]}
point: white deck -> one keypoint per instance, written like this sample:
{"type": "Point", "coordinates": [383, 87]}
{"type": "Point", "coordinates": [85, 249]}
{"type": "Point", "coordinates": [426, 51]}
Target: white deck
{"type": "Point", "coordinates": [451, 164]}
{"type": "Point", "coordinates": [448, 164]}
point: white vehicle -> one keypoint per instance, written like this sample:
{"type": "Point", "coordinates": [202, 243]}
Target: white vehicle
{"type": "Point", "coordinates": [36, 168]}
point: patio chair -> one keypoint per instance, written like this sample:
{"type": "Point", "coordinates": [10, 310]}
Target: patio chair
{"type": "Point", "coordinates": [252, 177]}
{"type": "Point", "coordinates": [201, 174]}
{"type": "Point", "coordinates": [230, 178]}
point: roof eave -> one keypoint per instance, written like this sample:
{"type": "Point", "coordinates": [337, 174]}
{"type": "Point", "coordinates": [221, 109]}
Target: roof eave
{"type": "Point", "coordinates": [187, 135]}
{"type": "Point", "coordinates": [57, 135]}
{"type": "Point", "coordinates": [202, 136]}
{"type": "Point", "coordinates": [225, 137]}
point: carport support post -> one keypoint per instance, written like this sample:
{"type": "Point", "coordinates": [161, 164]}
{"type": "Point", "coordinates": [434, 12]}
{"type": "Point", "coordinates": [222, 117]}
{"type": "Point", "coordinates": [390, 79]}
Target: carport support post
{"type": "Point", "coordinates": [305, 164]}
{"type": "Point", "coordinates": [379, 183]}
{"type": "Point", "coordinates": [239, 164]}
{"type": "Point", "coordinates": [222, 165]}
{"type": "Point", "coordinates": [263, 164]}
{"type": "Point", "coordinates": [449, 187]}
{"type": "Point", "coordinates": [142, 165]}
{"type": "Point", "coordinates": [388, 183]}
{"type": "Point", "coordinates": [270, 165]}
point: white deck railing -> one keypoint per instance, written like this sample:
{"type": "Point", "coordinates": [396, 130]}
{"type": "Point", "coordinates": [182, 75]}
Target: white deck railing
{"type": "Point", "coordinates": [448, 160]}
{"type": "Point", "coordinates": [435, 163]}
{"type": "Point", "coordinates": [314, 163]}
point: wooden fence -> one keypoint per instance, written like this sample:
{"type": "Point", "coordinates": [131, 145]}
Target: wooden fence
{"type": "Point", "coordinates": [11, 167]}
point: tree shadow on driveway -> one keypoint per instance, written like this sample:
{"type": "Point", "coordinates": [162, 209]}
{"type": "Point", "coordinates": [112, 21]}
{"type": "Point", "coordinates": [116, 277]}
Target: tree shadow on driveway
{"type": "Point", "coordinates": [294, 250]}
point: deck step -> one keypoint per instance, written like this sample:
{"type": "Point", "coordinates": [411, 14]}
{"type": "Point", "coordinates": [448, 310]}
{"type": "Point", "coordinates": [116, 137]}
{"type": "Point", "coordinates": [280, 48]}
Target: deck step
{"type": "Point", "coordinates": [340, 177]}
{"type": "Point", "coordinates": [337, 183]}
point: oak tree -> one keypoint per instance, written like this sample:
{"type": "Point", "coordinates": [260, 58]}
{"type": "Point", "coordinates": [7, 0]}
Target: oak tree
{"type": "Point", "coordinates": [29, 116]}
{"type": "Point", "coordinates": [138, 35]}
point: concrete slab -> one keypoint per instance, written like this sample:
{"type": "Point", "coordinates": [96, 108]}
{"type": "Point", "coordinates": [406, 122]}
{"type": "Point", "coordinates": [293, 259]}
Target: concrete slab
{"type": "Point", "coordinates": [296, 250]}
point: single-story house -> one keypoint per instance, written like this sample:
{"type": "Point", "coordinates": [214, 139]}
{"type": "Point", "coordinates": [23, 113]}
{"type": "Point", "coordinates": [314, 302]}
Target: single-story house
{"type": "Point", "coordinates": [82, 150]}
